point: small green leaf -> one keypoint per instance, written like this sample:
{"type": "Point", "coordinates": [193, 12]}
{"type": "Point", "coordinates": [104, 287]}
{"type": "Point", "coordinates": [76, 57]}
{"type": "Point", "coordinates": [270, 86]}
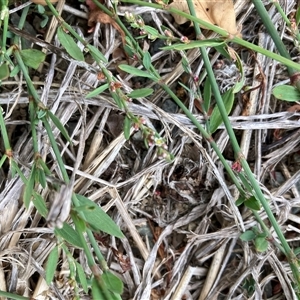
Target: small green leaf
{"type": "Point", "coordinates": [252, 203]}
{"type": "Point", "coordinates": [247, 236]}
{"type": "Point", "coordinates": [69, 234]}
{"type": "Point", "coordinates": [102, 293]}
{"type": "Point", "coordinates": [29, 187]}
{"type": "Point", "coordinates": [239, 201]}
{"type": "Point", "coordinates": [297, 251]}
{"type": "Point", "coordinates": [4, 71]}
{"type": "Point", "coordinates": [97, 91]}
{"type": "Point", "coordinates": [239, 85]}
{"type": "Point", "coordinates": [245, 182]}
{"type": "Point", "coordinates": [207, 94]}
{"type": "Point", "coordinates": [112, 282]}
{"type": "Point", "coordinates": [150, 30]}
{"type": "Point", "coordinates": [195, 44]}
{"type": "Point", "coordinates": [69, 44]}
{"type": "Point", "coordinates": [40, 8]}
{"type": "Point", "coordinates": [80, 224]}
{"type": "Point", "coordinates": [298, 16]}
{"type": "Point", "coordinates": [286, 93]}
{"type": "Point", "coordinates": [39, 204]}
{"type": "Point", "coordinates": [136, 72]}
{"type": "Point", "coordinates": [215, 119]}
{"type": "Point", "coordinates": [140, 93]}
{"type": "Point", "coordinates": [51, 265]}
{"type": "Point", "coordinates": [261, 244]}
{"type": "Point", "coordinates": [15, 71]}
{"type": "Point", "coordinates": [147, 60]}
{"type": "Point", "coordinates": [98, 219]}
{"type": "Point", "coordinates": [59, 125]}
{"type": "Point", "coordinates": [44, 21]}
{"type": "Point", "coordinates": [32, 57]}
{"type": "Point", "coordinates": [96, 54]}
{"type": "Point", "coordinates": [81, 276]}
{"type": "Point", "coordinates": [41, 177]}
{"type": "Point", "coordinates": [127, 127]}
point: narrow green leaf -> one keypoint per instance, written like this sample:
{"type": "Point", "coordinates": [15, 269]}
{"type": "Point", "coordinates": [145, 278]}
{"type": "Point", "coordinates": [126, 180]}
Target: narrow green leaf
{"type": "Point", "coordinates": [113, 282]}
{"type": "Point", "coordinates": [59, 125]}
{"type": "Point", "coordinates": [215, 119]}
{"type": "Point", "coordinates": [240, 84]}
{"type": "Point", "coordinates": [15, 71]}
{"type": "Point", "coordinates": [29, 187]}
{"type": "Point", "coordinates": [4, 71]}
{"type": "Point", "coordinates": [298, 16]}
{"type": "Point", "coordinates": [32, 57]}
{"type": "Point", "coordinates": [69, 234]}
{"type": "Point", "coordinates": [140, 93]}
{"type": "Point", "coordinates": [286, 93]}
{"type": "Point", "coordinates": [69, 44]}
{"type": "Point", "coordinates": [207, 94]}
{"type": "Point", "coordinates": [245, 182]}
{"type": "Point", "coordinates": [51, 265]}
{"type": "Point", "coordinates": [127, 127]}
{"type": "Point", "coordinates": [97, 91]}
{"type": "Point", "coordinates": [81, 276]}
{"type": "Point", "coordinates": [252, 203]}
{"type": "Point", "coordinates": [96, 54]}
{"type": "Point", "coordinates": [39, 204]}
{"type": "Point", "coordinates": [136, 72]}
{"type": "Point", "coordinates": [195, 44]}
{"type": "Point", "coordinates": [150, 30]}
{"type": "Point", "coordinates": [239, 201]}
{"type": "Point", "coordinates": [247, 236]}
{"type": "Point", "coordinates": [261, 244]}
{"type": "Point", "coordinates": [147, 60]}
{"type": "Point", "coordinates": [98, 219]}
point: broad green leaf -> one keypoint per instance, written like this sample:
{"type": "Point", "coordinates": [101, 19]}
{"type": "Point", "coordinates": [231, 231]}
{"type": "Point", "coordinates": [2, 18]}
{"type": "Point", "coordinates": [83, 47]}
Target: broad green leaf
{"type": "Point", "coordinates": [298, 16]}
{"type": "Point", "coordinates": [98, 219]}
{"type": "Point", "coordinates": [136, 72]}
{"type": "Point", "coordinates": [69, 44]}
{"type": "Point", "coordinates": [51, 265]}
{"type": "Point", "coordinates": [96, 54]}
{"type": "Point", "coordinates": [207, 94]}
{"type": "Point", "coordinates": [39, 204]}
{"type": "Point", "coordinates": [80, 224]}
{"type": "Point", "coordinates": [140, 93]}
{"type": "Point", "coordinates": [32, 57]}
{"type": "Point", "coordinates": [127, 127]}
{"type": "Point", "coordinates": [112, 282]}
{"type": "Point", "coordinates": [97, 91]}
{"type": "Point", "coordinates": [147, 60]}
{"type": "Point", "coordinates": [4, 71]}
{"type": "Point", "coordinates": [29, 187]}
{"type": "Point", "coordinates": [69, 234]}
{"type": "Point", "coordinates": [102, 293]}
{"type": "Point", "coordinates": [195, 44]}
{"type": "Point", "coordinates": [215, 119]}
{"type": "Point", "coordinates": [252, 203]}
{"type": "Point", "coordinates": [60, 126]}
{"type": "Point", "coordinates": [286, 93]}
{"type": "Point", "coordinates": [248, 235]}
{"type": "Point", "coordinates": [261, 244]}
{"type": "Point", "coordinates": [81, 276]}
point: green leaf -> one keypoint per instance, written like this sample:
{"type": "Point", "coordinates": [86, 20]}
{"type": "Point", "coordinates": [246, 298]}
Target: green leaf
{"type": "Point", "coordinates": [239, 85]}
{"type": "Point", "coordinates": [150, 30]}
{"type": "Point", "coordinates": [59, 125]}
{"type": "Point", "coordinates": [69, 44]}
{"type": "Point", "coordinates": [298, 16]}
{"type": "Point", "coordinates": [113, 283]}
{"type": "Point", "coordinates": [41, 177]}
{"type": "Point", "coordinates": [98, 219]}
{"type": "Point", "coordinates": [127, 127]}
{"type": "Point", "coordinates": [96, 54]}
{"type": "Point", "coordinates": [147, 60]}
{"type": "Point", "coordinates": [44, 21]}
{"type": "Point", "coordinates": [32, 57]}
{"type": "Point", "coordinates": [252, 203]}
{"type": "Point", "coordinates": [29, 187]}
{"type": "Point", "coordinates": [215, 119]}
{"type": "Point", "coordinates": [207, 94]}
{"type": "Point", "coordinates": [81, 276]}
{"type": "Point", "coordinates": [97, 91]}
{"type": "Point", "coordinates": [194, 44]}
{"type": "Point", "coordinates": [40, 205]}
{"type": "Point", "coordinates": [69, 234]}
{"type": "Point", "coordinates": [286, 93]}
{"type": "Point", "coordinates": [247, 236]}
{"type": "Point", "coordinates": [4, 71]}
{"type": "Point", "coordinates": [140, 93]}
{"type": "Point", "coordinates": [102, 293]}
{"type": "Point", "coordinates": [40, 8]}
{"type": "Point", "coordinates": [261, 244]}
{"type": "Point", "coordinates": [136, 72]}
{"type": "Point", "coordinates": [51, 265]}
{"type": "Point", "coordinates": [15, 71]}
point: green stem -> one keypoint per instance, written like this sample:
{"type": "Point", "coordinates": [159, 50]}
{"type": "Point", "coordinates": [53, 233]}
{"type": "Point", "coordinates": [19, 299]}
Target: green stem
{"type": "Point", "coordinates": [13, 296]}
{"type": "Point", "coordinates": [4, 132]}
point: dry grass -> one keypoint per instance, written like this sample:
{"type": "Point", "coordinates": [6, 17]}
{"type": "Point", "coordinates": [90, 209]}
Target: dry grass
{"type": "Point", "coordinates": [181, 224]}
